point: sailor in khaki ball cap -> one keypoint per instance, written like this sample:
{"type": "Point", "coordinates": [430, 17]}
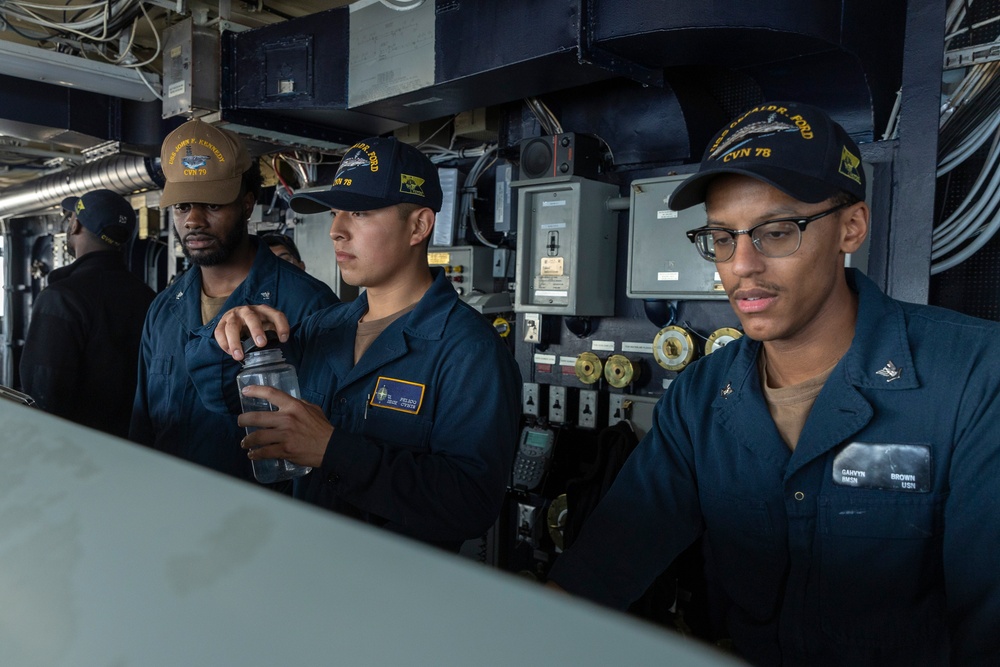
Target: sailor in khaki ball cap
{"type": "Point", "coordinates": [182, 404]}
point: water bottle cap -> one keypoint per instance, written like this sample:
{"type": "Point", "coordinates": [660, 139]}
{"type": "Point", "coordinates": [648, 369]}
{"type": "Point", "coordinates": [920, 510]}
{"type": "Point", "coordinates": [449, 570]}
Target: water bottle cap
{"type": "Point", "coordinates": [250, 346]}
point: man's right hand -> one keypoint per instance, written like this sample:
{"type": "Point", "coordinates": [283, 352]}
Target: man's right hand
{"type": "Point", "coordinates": [254, 320]}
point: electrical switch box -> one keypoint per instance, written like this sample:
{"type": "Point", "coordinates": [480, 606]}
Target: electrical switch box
{"type": "Point", "coordinates": [566, 247]}
{"type": "Point", "coordinates": [532, 328]}
{"type": "Point", "coordinates": [469, 268]}
{"type": "Point", "coordinates": [662, 261]}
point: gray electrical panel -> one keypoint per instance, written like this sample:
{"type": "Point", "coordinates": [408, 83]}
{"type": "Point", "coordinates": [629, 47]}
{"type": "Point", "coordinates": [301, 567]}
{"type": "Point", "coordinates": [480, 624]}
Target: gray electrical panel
{"type": "Point", "coordinates": [566, 245]}
{"type": "Point", "coordinates": [662, 262]}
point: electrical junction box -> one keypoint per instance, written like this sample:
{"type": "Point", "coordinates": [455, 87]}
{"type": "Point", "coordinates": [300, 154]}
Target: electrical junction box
{"type": "Point", "coordinates": [469, 268]}
{"type": "Point", "coordinates": [191, 55]}
{"type": "Point", "coordinates": [566, 245]}
{"type": "Point", "coordinates": [662, 261]}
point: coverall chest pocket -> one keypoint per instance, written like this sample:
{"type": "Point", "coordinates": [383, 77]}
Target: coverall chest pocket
{"type": "Point", "coordinates": [879, 552]}
{"type": "Point", "coordinates": [402, 428]}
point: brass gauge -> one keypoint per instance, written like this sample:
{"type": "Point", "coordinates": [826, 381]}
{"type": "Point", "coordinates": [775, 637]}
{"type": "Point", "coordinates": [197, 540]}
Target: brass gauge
{"type": "Point", "coordinates": [720, 338]}
{"type": "Point", "coordinates": [588, 368]}
{"type": "Point", "coordinates": [619, 371]}
{"type": "Point", "coordinates": [673, 348]}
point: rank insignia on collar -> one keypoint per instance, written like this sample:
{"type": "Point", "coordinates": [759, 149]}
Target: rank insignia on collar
{"type": "Point", "coordinates": [727, 390]}
{"type": "Point", "coordinates": [890, 372]}
{"type": "Point", "coordinates": [179, 295]}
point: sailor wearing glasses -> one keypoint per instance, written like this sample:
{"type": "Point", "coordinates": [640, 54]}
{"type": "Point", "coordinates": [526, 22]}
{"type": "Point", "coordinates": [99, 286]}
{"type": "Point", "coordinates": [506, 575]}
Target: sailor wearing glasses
{"type": "Point", "coordinates": [840, 462]}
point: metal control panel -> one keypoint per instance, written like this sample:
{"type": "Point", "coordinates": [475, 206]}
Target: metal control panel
{"type": "Point", "coordinates": [566, 247]}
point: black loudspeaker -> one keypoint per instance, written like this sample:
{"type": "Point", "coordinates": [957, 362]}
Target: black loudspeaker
{"type": "Point", "coordinates": [566, 154]}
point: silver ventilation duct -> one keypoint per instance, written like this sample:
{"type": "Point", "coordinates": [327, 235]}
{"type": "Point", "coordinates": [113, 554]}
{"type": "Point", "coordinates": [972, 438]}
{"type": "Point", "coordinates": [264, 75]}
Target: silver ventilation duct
{"type": "Point", "coordinates": [123, 174]}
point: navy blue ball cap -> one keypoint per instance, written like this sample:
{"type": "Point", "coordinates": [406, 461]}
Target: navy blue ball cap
{"type": "Point", "coordinates": [106, 214]}
{"type": "Point", "coordinates": [793, 147]}
{"type": "Point", "coordinates": [376, 173]}
{"type": "Point", "coordinates": [69, 204]}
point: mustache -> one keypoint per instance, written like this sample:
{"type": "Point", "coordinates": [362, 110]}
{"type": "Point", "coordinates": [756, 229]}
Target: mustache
{"type": "Point", "coordinates": [769, 287]}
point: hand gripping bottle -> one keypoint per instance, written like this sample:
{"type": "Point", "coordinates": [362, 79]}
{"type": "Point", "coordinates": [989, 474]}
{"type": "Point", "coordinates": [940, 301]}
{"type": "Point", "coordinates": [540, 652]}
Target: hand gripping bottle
{"type": "Point", "coordinates": [267, 367]}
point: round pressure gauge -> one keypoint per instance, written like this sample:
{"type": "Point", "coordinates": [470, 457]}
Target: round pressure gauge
{"type": "Point", "coordinates": [673, 348]}
{"type": "Point", "coordinates": [720, 338]}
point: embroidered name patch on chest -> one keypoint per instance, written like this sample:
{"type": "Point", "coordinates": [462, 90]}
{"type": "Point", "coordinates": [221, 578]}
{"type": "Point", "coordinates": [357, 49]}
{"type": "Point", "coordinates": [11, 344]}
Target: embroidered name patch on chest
{"type": "Point", "coordinates": [881, 466]}
{"type": "Point", "coordinates": [399, 395]}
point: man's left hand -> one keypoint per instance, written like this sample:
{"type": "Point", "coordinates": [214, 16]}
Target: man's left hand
{"type": "Point", "coordinates": [298, 431]}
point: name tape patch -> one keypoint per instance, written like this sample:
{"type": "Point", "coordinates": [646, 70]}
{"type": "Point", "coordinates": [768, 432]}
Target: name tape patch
{"type": "Point", "coordinates": [884, 466]}
{"type": "Point", "coordinates": [400, 395]}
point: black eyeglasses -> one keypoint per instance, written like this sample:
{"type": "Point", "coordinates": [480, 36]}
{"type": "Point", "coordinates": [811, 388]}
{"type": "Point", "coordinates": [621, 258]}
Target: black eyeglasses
{"type": "Point", "coordinates": [773, 238]}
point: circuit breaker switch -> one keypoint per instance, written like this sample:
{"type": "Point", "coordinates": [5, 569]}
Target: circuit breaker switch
{"type": "Point", "coordinates": [553, 245]}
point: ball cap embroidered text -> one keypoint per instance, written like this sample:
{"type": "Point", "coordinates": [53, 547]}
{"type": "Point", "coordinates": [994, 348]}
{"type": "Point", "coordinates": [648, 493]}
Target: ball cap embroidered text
{"type": "Point", "coordinates": [794, 147]}
{"type": "Point", "coordinates": [376, 173]}
{"type": "Point", "coordinates": [202, 164]}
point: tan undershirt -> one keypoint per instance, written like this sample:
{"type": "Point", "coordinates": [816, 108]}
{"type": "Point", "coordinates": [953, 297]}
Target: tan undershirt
{"type": "Point", "coordinates": [790, 406]}
{"type": "Point", "coordinates": [369, 331]}
{"type": "Point", "coordinates": [210, 306]}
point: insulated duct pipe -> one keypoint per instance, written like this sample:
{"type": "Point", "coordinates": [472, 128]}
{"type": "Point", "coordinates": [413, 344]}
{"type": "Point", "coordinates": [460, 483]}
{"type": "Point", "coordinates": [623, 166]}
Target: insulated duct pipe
{"type": "Point", "coordinates": [123, 174]}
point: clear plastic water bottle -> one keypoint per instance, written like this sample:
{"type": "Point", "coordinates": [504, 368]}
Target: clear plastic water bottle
{"type": "Point", "coordinates": [268, 367]}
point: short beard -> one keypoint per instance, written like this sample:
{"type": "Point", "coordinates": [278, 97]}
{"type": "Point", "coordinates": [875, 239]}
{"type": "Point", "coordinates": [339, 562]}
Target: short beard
{"type": "Point", "coordinates": [227, 246]}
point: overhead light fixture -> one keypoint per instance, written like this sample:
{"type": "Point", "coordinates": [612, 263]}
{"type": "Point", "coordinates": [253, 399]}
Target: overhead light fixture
{"type": "Point", "coordinates": [30, 62]}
